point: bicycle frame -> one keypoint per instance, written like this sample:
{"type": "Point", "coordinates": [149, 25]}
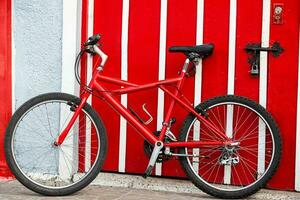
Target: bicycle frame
{"type": "Point", "coordinates": [128, 87]}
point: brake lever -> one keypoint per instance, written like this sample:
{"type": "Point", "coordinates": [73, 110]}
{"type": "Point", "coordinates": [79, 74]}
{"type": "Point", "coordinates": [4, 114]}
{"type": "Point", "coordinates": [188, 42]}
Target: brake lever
{"type": "Point", "coordinates": [90, 49]}
{"type": "Point", "coordinates": [92, 40]}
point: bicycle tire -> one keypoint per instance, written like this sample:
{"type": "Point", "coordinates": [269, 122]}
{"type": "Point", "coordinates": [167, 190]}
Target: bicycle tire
{"type": "Point", "coordinates": [206, 185]}
{"type": "Point", "coordinates": [30, 184]}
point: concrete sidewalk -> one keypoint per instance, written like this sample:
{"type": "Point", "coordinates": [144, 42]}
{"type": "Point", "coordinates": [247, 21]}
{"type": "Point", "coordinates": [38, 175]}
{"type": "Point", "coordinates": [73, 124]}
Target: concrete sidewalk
{"type": "Point", "coordinates": [98, 190]}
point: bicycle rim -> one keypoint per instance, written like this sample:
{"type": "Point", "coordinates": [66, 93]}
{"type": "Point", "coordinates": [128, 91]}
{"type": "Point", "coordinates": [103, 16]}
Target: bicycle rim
{"type": "Point", "coordinates": [215, 166]}
{"type": "Point", "coordinates": [47, 165]}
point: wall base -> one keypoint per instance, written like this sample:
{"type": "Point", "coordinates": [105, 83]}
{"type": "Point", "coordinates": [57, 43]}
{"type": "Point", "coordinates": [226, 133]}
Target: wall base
{"type": "Point", "coordinates": [5, 173]}
{"type": "Point", "coordinates": [164, 184]}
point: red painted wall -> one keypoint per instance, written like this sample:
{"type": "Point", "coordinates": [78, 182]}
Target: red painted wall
{"type": "Point", "coordinates": [143, 60]}
{"type": "Point", "coordinates": [5, 78]}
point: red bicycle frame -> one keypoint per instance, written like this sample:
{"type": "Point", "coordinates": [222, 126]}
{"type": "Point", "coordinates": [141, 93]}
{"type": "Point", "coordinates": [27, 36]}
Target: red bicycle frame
{"type": "Point", "coordinates": [128, 87]}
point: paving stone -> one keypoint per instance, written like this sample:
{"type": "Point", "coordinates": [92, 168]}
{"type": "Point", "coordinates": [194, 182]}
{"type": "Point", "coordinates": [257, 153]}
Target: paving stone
{"type": "Point", "coordinates": [13, 190]}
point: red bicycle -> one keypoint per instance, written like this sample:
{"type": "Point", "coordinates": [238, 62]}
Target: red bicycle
{"type": "Point", "coordinates": [228, 146]}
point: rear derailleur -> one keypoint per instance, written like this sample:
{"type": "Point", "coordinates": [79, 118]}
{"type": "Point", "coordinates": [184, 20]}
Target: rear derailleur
{"type": "Point", "coordinates": [229, 156]}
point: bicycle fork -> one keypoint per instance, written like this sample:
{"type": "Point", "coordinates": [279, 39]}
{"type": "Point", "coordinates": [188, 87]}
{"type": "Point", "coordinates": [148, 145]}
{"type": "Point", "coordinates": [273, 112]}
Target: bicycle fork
{"type": "Point", "coordinates": [60, 139]}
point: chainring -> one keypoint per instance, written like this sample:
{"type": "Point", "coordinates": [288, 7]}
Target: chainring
{"type": "Point", "coordinates": [148, 148]}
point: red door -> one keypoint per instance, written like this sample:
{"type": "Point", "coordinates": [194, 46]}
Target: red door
{"type": "Point", "coordinates": [144, 30]}
{"type": "Point", "coordinates": [5, 78]}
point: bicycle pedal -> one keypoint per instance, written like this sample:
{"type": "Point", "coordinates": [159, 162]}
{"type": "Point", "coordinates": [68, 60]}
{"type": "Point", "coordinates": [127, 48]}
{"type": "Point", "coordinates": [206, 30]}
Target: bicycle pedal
{"type": "Point", "coordinates": [148, 171]}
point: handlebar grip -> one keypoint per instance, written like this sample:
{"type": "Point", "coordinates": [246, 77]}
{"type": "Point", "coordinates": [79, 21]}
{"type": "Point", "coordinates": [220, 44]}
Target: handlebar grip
{"type": "Point", "coordinates": [92, 40]}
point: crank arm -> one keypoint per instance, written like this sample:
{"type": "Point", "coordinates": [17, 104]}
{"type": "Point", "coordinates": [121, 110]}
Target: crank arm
{"type": "Point", "coordinates": [155, 153]}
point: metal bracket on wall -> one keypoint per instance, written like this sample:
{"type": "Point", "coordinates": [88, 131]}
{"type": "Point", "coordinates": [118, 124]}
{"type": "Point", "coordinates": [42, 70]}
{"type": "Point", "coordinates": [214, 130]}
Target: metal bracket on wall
{"type": "Point", "coordinates": [254, 50]}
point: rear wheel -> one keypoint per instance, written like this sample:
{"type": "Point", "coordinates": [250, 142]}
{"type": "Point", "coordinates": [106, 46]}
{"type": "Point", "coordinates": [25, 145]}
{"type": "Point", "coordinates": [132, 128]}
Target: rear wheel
{"type": "Point", "coordinates": [232, 171]}
{"type": "Point", "coordinates": [44, 167]}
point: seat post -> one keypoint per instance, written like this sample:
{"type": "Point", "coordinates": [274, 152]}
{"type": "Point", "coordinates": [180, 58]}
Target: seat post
{"type": "Point", "coordinates": [185, 65]}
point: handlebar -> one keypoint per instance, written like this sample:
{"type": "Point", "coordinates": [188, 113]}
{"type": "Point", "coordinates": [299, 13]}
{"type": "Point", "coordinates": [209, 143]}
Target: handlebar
{"type": "Point", "coordinates": [91, 46]}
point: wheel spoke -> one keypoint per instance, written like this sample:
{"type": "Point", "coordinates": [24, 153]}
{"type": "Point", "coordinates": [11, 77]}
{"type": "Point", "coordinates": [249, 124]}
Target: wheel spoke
{"type": "Point", "coordinates": [40, 160]}
{"type": "Point", "coordinates": [245, 131]}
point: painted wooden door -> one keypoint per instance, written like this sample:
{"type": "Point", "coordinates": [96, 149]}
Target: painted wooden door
{"type": "Point", "coordinates": [5, 78]}
{"type": "Point", "coordinates": [136, 34]}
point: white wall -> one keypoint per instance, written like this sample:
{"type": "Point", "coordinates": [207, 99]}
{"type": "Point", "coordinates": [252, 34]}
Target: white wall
{"type": "Point", "coordinates": [37, 31]}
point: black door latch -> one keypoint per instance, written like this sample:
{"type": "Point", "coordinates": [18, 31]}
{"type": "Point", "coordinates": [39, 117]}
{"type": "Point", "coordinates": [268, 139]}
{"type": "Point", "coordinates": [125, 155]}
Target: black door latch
{"type": "Point", "coordinates": [254, 50]}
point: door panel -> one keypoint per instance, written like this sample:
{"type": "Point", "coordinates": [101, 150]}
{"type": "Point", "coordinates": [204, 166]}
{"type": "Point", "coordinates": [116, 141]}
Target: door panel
{"type": "Point", "coordinates": [5, 78]}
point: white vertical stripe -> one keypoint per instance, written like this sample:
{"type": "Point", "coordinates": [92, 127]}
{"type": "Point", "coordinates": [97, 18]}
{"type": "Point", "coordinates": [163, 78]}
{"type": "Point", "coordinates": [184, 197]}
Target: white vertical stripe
{"type": "Point", "coordinates": [124, 67]}
{"type": "Point", "coordinates": [87, 157]}
{"type": "Point", "coordinates": [66, 166]}
{"type": "Point", "coordinates": [77, 87]}
{"type": "Point", "coordinates": [69, 44]}
{"type": "Point", "coordinates": [261, 147]}
{"type": "Point", "coordinates": [229, 129]}
{"type": "Point", "coordinates": [297, 166]}
{"type": "Point", "coordinates": [263, 83]}
{"type": "Point", "coordinates": [90, 32]}
{"type": "Point", "coordinates": [231, 49]}
{"type": "Point", "coordinates": [199, 40]}
{"type": "Point", "coordinates": [198, 79]}
{"type": "Point", "coordinates": [161, 71]}
{"type": "Point", "coordinates": [78, 41]}
{"type": "Point", "coordinates": [71, 20]}
{"type": "Point", "coordinates": [231, 75]}
{"type": "Point", "coordinates": [264, 55]}
{"type": "Point", "coordinates": [196, 151]}
{"type": "Point", "coordinates": [89, 73]}
{"type": "Point", "coordinates": [13, 56]}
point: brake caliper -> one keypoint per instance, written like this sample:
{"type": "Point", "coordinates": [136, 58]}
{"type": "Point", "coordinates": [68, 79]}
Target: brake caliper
{"type": "Point", "coordinates": [72, 105]}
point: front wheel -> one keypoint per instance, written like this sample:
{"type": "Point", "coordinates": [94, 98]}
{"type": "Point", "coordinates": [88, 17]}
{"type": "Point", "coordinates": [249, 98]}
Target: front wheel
{"type": "Point", "coordinates": [232, 171]}
{"type": "Point", "coordinates": [37, 162]}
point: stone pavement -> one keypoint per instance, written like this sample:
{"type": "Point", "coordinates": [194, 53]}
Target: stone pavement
{"type": "Point", "coordinates": [13, 190]}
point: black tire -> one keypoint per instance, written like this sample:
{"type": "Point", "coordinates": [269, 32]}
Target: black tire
{"type": "Point", "coordinates": [28, 182]}
{"type": "Point", "coordinates": [205, 186]}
